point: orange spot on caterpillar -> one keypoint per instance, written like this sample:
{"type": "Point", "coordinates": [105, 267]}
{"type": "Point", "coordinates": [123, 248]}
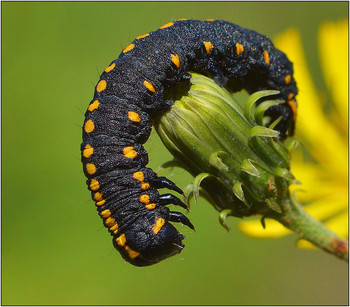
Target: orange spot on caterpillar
{"type": "Point", "coordinates": [110, 222]}
{"type": "Point", "coordinates": [139, 176]}
{"type": "Point", "coordinates": [130, 152]}
{"type": "Point", "coordinates": [266, 57]}
{"type": "Point", "coordinates": [110, 67]}
{"type": "Point", "coordinates": [149, 86]}
{"type": "Point", "coordinates": [89, 126]}
{"type": "Point", "coordinates": [144, 198]}
{"type": "Point", "coordinates": [176, 60]}
{"type": "Point", "coordinates": [239, 48]}
{"type": "Point", "coordinates": [98, 196]}
{"type": "Point", "coordinates": [150, 206]}
{"type": "Point", "coordinates": [88, 151]}
{"type": "Point", "coordinates": [287, 79]}
{"type": "Point", "coordinates": [101, 86]}
{"type": "Point", "coordinates": [208, 46]}
{"type": "Point", "coordinates": [158, 225]}
{"type": "Point", "coordinates": [100, 203]}
{"type": "Point", "coordinates": [106, 213]}
{"type": "Point", "coordinates": [121, 240]}
{"type": "Point", "coordinates": [94, 105]}
{"type": "Point", "coordinates": [128, 48]}
{"type": "Point", "coordinates": [90, 168]}
{"type": "Point", "coordinates": [114, 228]}
{"type": "Point", "coordinates": [94, 185]}
{"type": "Point", "coordinates": [293, 106]}
{"type": "Point", "coordinates": [167, 25]}
{"type": "Point", "coordinates": [144, 186]}
{"type": "Point", "coordinates": [131, 253]}
{"type": "Point", "coordinates": [133, 116]}
{"type": "Point", "coordinates": [142, 36]}
{"type": "Point", "coordinates": [290, 96]}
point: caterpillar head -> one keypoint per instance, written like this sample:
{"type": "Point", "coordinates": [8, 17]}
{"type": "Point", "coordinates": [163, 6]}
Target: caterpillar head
{"type": "Point", "coordinates": [143, 247]}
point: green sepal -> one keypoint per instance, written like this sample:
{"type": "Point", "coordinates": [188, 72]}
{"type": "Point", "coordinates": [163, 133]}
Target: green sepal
{"type": "Point", "coordinates": [248, 167]}
{"type": "Point", "coordinates": [223, 216]}
{"type": "Point", "coordinates": [216, 161]}
{"type": "Point", "coordinates": [286, 174]}
{"type": "Point", "coordinates": [192, 190]}
{"type": "Point", "coordinates": [262, 221]}
{"type": "Point", "coordinates": [292, 144]}
{"type": "Point", "coordinates": [238, 191]}
{"type": "Point", "coordinates": [263, 131]}
{"type": "Point", "coordinates": [253, 99]}
{"type": "Point", "coordinates": [274, 123]}
{"type": "Point", "coordinates": [272, 204]}
{"type": "Point", "coordinates": [196, 183]}
{"type": "Point", "coordinates": [262, 107]}
{"type": "Point", "coordinates": [188, 194]}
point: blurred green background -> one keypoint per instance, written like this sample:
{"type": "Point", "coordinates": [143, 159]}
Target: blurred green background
{"type": "Point", "coordinates": [55, 249]}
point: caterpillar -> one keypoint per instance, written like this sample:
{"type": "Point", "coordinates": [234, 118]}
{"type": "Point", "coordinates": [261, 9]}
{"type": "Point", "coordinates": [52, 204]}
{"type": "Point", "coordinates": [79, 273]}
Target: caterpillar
{"type": "Point", "coordinates": [133, 89]}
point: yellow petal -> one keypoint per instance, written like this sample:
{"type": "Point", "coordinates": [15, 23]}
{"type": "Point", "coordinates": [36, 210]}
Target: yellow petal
{"type": "Point", "coordinates": [339, 224]}
{"type": "Point", "coordinates": [254, 229]}
{"type": "Point", "coordinates": [315, 130]}
{"type": "Point", "coordinates": [324, 208]}
{"type": "Point", "coordinates": [305, 244]}
{"type": "Point", "coordinates": [334, 52]}
{"type": "Point", "coordinates": [318, 182]}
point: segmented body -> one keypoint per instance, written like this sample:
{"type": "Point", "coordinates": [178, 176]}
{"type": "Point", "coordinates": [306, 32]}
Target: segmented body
{"type": "Point", "coordinates": [132, 89]}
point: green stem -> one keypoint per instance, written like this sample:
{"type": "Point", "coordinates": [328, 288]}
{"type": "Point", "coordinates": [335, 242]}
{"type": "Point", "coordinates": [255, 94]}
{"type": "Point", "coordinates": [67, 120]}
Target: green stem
{"type": "Point", "coordinates": [294, 217]}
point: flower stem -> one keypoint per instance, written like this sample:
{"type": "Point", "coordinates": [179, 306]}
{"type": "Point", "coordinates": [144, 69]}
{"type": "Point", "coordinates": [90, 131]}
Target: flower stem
{"type": "Point", "coordinates": [295, 218]}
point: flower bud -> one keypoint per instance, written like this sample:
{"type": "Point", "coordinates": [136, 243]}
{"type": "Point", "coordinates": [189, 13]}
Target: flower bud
{"type": "Point", "coordinates": [239, 165]}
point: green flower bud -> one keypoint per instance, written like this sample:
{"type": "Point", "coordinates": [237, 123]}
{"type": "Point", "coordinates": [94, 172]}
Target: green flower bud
{"type": "Point", "coordinates": [238, 163]}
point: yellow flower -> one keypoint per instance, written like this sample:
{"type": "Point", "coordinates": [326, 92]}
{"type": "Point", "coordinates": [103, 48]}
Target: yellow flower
{"type": "Point", "coordinates": [323, 130]}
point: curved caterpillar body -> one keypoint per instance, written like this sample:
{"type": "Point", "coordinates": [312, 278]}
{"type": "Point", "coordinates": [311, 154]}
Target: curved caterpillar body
{"type": "Point", "coordinates": [132, 89]}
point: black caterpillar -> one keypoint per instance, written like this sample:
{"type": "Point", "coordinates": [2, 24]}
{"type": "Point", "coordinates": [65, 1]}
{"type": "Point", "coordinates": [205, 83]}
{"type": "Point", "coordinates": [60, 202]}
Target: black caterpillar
{"type": "Point", "coordinates": [134, 88]}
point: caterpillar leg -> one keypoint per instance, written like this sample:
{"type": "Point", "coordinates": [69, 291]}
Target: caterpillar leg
{"type": "Point", "coordinates": [180, 218]}
{"type": "Point", "coordinates": [168, 198]}
{"type": "Point", "coordinates": [163, 182]}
